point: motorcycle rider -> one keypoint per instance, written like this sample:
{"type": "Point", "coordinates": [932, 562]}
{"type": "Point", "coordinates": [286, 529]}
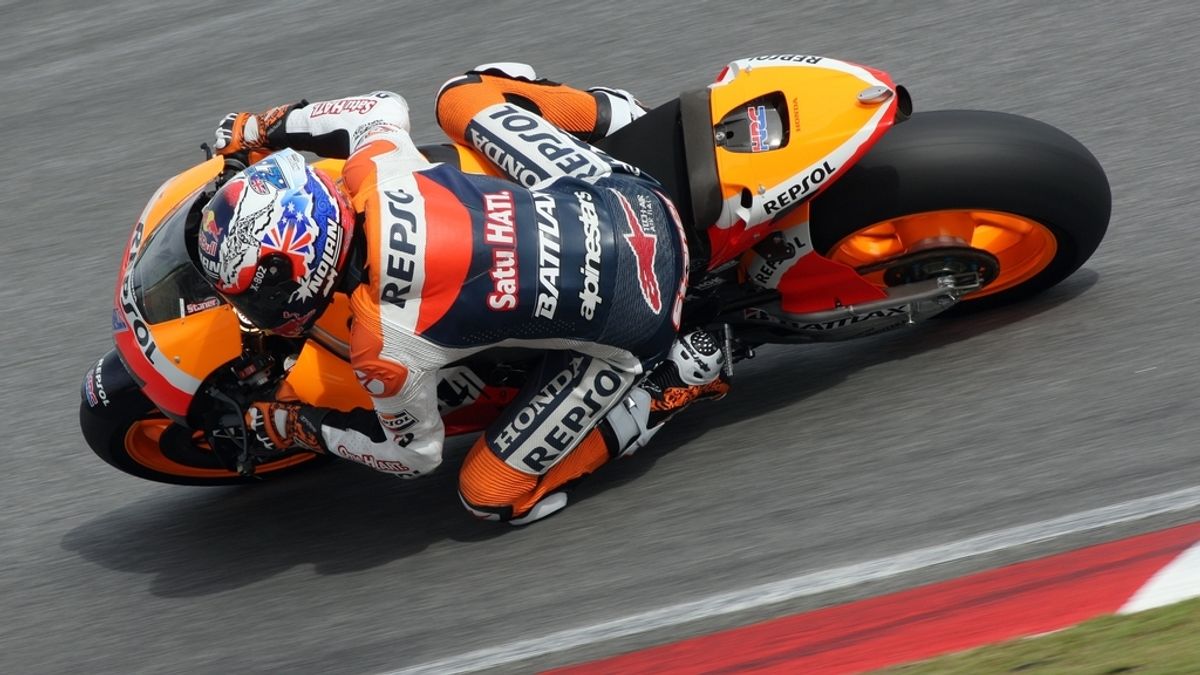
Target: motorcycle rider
{"type": "Point", "coordinates": [576, 255]}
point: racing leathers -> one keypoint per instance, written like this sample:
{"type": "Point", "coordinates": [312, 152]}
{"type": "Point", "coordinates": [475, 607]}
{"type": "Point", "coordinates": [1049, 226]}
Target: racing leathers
{"type": "Point", "coordinates": [573, 254]}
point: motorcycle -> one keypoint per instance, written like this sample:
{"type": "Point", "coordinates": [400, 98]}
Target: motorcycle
{"type": "Point", "coordinates": [891, 217]}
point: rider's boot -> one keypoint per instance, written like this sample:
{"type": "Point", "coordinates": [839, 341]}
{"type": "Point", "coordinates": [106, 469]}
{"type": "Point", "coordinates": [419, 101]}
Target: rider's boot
{"type": "Point", "coordinates": [694, 370]}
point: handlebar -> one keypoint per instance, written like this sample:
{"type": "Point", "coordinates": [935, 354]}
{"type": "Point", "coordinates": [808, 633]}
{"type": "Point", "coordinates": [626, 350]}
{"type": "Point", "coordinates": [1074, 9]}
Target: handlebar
{"type": "Point", "coordinates": [254, 376]}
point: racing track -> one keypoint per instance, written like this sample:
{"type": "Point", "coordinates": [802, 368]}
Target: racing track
{"type": "Point", "coordinates": [823, 458]}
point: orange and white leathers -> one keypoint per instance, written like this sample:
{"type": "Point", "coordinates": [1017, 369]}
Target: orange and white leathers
{"type": "Point", "coordinates": [443, 258]}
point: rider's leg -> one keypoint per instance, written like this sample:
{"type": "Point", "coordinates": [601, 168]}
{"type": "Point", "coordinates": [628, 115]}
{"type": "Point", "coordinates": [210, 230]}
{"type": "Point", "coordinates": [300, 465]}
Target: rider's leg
{"type": "Point", "coordinates": [517, 471]}
{"type": "Point", "coordinates": [551, 435]}
{"type": "Point", "coordinates": [587, 114]}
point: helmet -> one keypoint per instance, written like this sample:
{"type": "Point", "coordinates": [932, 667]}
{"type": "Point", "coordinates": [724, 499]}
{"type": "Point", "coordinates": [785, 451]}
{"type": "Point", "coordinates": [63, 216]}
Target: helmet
{"type": "Point", "coordinates": [273, 240]}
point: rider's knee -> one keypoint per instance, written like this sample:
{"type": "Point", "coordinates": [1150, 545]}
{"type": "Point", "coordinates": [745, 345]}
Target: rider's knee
{"type": "Point", "coordinates": [491, 489]}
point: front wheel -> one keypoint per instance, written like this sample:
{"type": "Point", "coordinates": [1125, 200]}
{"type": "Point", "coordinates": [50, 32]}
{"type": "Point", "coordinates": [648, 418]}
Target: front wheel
{"type": "Point", "coordinates": [124, 429]}
{"type": "Point", "coordinates": [1025, 193]}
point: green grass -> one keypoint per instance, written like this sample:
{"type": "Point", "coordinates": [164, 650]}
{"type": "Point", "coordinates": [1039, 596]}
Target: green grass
{"type": "Point", "coordinates": [1164, 640]}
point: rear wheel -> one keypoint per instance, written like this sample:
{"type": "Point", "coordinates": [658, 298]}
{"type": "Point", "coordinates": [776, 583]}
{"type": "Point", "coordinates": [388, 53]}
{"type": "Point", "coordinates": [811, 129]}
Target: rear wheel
{"type": "Point", "coordinates": [125, 430]}
{"type": "Point", "coordinates": [949, 189]}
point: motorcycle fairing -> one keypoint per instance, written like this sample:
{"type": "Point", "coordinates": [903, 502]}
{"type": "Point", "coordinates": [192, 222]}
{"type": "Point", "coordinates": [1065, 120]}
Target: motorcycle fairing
{"type": "Point", "coordinates": [150, 354]}
{"type": "Point", "coordinates": [826, 126]}
{"type": "Point", "coordinates": [806, 280]}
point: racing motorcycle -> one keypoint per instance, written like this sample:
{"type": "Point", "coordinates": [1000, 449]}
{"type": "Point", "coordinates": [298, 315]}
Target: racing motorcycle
{"type": "Point", "coordinates": [892, 217]}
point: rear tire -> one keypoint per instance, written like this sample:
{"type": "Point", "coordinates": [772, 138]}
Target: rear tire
{"type": "Point", "coordinates": [975, 162]}
{"type": "Point", "coordinates": [125, 430]}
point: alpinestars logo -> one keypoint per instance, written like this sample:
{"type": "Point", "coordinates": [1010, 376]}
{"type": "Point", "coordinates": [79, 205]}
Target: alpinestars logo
{"type": "Point", "coordinates": [643, 243]}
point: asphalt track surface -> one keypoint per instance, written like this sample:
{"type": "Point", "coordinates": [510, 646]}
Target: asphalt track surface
{"type": "Point", "coordinates": [822, 458]}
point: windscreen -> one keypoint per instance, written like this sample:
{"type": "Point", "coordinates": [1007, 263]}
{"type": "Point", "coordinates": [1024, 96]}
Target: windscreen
{"type": "Point", "coordinates": [166, 284]}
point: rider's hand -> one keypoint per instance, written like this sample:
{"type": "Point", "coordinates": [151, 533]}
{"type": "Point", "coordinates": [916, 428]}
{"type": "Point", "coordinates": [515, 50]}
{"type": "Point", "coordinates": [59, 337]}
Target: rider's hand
{"type": "Point", "coordinates": [280, 426]}
{"type": "Point", "coordinates": [240, 131]}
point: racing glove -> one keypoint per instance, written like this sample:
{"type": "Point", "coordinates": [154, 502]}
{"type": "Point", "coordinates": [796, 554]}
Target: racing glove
{"type": "Point", "coordinates": [240, 131]}
{"type": "Point", "coordinates": [281, 426]}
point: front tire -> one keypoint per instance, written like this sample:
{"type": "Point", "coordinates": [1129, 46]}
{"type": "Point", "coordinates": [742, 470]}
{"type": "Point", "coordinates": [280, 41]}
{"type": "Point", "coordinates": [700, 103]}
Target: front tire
{"type": "Point", "coordinates": [1019, 189]}
{"type": "Point", "coordinates": [122, 426]}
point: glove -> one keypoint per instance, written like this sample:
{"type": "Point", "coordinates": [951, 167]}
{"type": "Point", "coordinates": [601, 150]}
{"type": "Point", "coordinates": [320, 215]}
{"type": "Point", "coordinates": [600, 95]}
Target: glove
{"type": "Point", "coordinates": [246, 131]}
{"type": "Point", "coordinates": [281, 426]}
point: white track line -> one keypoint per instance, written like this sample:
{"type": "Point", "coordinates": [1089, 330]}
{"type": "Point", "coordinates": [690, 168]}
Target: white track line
{"type": "Point", "coordinates": [811, 583]}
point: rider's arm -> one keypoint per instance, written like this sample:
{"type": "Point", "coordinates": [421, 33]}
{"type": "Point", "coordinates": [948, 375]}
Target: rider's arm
{"type": "Point", "coordinates": [334, 128]}
{"type": "Point", "coordinates": [403, 436]}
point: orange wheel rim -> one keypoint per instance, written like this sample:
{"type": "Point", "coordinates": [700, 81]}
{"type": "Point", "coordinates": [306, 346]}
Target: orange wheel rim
{"type": "Point", "coordinates": [1024, 247]}
{"type": "Point", "coordinates": [142, 444]}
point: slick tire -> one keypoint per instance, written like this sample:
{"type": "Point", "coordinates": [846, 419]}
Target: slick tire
{"type": "Point", "coordinates": [124, 429]}
{"type": "Point", "coordinates": [974, 162]}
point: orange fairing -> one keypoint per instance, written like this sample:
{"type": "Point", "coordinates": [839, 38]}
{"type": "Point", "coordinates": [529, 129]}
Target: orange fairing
{"type": "Point", "coordinates": [830, 112]}
{"type": "Point", "coordinates": [471, 162]}
{"type": "Point", "coordinates": [155, 353]}
{"type": "Point", "coordinates": [177, 189]}
{"type": "Point", "coordinates": [322, 375]}
{"type": "Point", "coordinates": [198, 343]}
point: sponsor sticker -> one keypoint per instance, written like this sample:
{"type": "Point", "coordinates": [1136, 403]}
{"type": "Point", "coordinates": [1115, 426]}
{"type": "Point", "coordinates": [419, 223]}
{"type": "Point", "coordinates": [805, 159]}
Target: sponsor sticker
{"type": "Point", "coordinates": [529, 149]}
{"type": "Point", "coordinates": [141, 332]}
{"type": "Point", "coordinates": [294, 323]}
{"type": "Point", "coordinates": [191, 308]}
{"type": "Point", "coordinates": [98, 380]}
{"type": "Point", "coordinates": [501, 235]}
{"type": "Point", "coordinates": [89, 388]}
{"type": "Point", "coordinates": [792, 194]}
{"type": "Point", "coordinates": [791, 58]}
{"type": "Point", "coordinates": [391, 466]}
{"type": "Point", "coordinates": [549, 250]}
{"type": "Point", "coordinates": [642, 239]}
{"type": "Point", "coordinates": [342, 105]}
{"type": "Point", "coordinates": [397, 424]}
{"type": "Point", "coordinates": [550, 424]}
{"type": "Point", "coordinates": [401, 262]}
{"type": "Point", "coordinates": [323, 274]}
{"type": "Point", "coordinates": [210, 234]}
{"type": "Point", "coordinates": [757, 114]}
{"type": "Point", "coordinates": [568, 429]}
{"type": "Point", "coordinates": [589, 295]}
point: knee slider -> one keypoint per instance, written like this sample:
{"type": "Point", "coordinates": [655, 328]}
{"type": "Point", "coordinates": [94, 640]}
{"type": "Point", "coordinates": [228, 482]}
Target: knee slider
{"type": "Point", "coordinates": [493, 513]}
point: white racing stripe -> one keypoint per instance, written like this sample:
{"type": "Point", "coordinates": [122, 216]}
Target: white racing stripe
{"type": "Point", "coordinates": [1178, 581]}
{"type": "Point", "coordinates": [812, 583]}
